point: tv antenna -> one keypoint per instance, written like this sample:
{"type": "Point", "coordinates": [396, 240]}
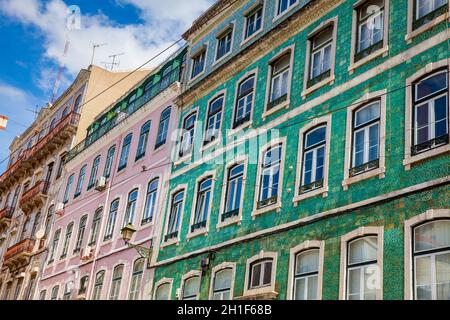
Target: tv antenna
{"type": "Point", "coordinates": [113, 63]}
{"type": "Point", "coordinates": [35, 111]}
{"type": "Point", "coordinates": [94, 47]}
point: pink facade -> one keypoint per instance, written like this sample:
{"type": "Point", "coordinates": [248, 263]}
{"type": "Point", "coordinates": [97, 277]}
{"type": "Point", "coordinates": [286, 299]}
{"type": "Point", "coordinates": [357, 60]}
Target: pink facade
{"type": "Point", "coordinates": [68, 266]}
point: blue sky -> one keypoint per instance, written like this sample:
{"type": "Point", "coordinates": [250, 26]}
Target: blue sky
{"type": "Point", "coordinates": [33, 34]}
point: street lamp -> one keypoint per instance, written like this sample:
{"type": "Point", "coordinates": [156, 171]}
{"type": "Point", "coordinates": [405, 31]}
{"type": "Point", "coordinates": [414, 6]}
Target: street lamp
{"type": "Point", "coordinates": [127, 233]}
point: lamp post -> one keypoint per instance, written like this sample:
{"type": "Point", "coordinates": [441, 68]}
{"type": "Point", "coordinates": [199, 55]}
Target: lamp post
{"type": "Point", "coordinates": [127, 233]}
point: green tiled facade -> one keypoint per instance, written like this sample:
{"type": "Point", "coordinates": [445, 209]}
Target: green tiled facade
{"type": "Point", "coordinates": [387, 201]}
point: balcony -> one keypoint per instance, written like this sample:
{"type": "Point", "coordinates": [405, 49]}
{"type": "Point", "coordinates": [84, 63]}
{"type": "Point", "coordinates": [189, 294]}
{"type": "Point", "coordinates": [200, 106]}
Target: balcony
{"type": "Point", "coordinates": [34, 197]}
{"type": "Point", "coordinates": [19, 254]}
{"type": "Point", "coordinates": [32, 157]}
{"type": "Point", "coordinates": [5, 217]}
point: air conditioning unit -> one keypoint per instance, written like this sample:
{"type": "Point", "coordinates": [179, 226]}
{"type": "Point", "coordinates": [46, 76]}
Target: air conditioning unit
{"type": "Point", "coordinates": [86, 254]}
{"type": "Point", "coordinates": [59, 209]}
{"type": "Point", "coordinates": [100, 184]}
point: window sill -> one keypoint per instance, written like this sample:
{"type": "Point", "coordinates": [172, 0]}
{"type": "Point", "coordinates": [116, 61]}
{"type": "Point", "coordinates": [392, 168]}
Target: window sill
{"type": "Point", "coordinates": [197, 233]}
{"type": "Point", "coordinates": [221, 59]}
{"type": "Point", "coordinates": [411, 35]}
{"type": "Point", "coordinates": [183, 159]}
{"type": "Point", "coordinates": [318, 192]}
{"type": "Point", "coordinates": [280, 16]}
{"type": "Point", "coordinates": [274, 207]}
{"type": "Point", "coordinates": [211, 144]}
{"type": "Point", "coordinates": [231, 221]}
{"type": "Point", "coordinates": [192, 80]}
{"type": "Point", "coordinates": [409, 160]}
{"type": "Point", "coordinates": [318, 85]}
{"type": "Point", "coordinates": [363, 176]}
{"type": "Point", "coordinates": [249, 38]}
{"type": "Point", "coordinates": [277, 108]}
{"type": "Point", "coordinates": [381, 52]}
{"type": "Point", "coordinates": [239, 128]}
{"type": "Point", "coordinates": [170, 242]}
{"type": "Point", "coordinates": [259, 294]}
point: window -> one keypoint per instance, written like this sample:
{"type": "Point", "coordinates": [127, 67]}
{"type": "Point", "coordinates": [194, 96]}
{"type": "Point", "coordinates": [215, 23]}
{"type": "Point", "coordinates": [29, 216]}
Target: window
{"type": "Point", "coordinates": [125, 152]}
{"type": "Point", "coordinates": [187, 138]}
{"type": "Point", "coordinates": [163, 292]}
{"type": "Point", "coordinates": [284, 5]}
{"type": "Point", "coordinates": [426, 11]}
{"type": "Point", "coordinates": [25, 229]}
{"type": "Point", "coordinates": [362, 265]}
{"type": "Point", "coordinates": [306, 275]}
{"type": "Point", "coordinates": [370, 28]}
{"type": "Point", "coordinates": [260, 274]}
{"type": "Point", "coordinates": [175, 216]}
{"type": "Point", "coordinates": [150, 201]}
{"type": "Point", "coordinates": [163, 128]}
{"type": "Point", "coordinates": [80, 235]}
{"type": "Point", "coordinates": [430, 112]}
{"type": "Point", "coordinates": [111, 220]}
{"type": "Point", "coordinates": [30, 288]}
{"type": "Point", "coordinates": [68, 188]}
{"type": "Point", "coordinates": [7, 293]}
{"type": "Point", "coordinates": [224, 43]}
{"type": "Point", "coordinates": [80, 182]}
{"type": "Point", "coordinates": [136, 279]}
{"type": "Point", "coordinates": [191, 288]}
{"type": "Point", "coordinates": [54, 246]}
{"type": "Point", "coordinates": [18, 288]}
{"type": "Point", "coordinates": [55, 291]}
{"type": "Point", "coordinates": [202, 206]}
{"type": "Point", "coordinates": [131, 207]}
{"type": "Point", "coordinates": [321, 56]}
{"type": "Point", "coordinates": [244, 102]}
{"type": "Point", "coordinates": [279, 81]}
{"type": "Point", "coordinates": [214, 120]}
{"type": "Point", "coordinates": [67, 239]}
{"type": "Point", "coordinates": [36, 223]}
{"type": "Point", "coordinates": [270, 177]}
{"type": "Point", "coordinates": [77, 105]}
{"type": "Point", "coordinates": [198, 63]}
{"type": "Point", "coordinates": [52, 124]}
{"type": "Point", "coordinates": [84, 282]}
{"type": "Point", "coordinates": [42, 295]}
{"type": "Point", "coordinates": [366, 138]}
{"type": "Point", "coordinates": [68, 290]}
{"type": "Point", "coordinates": [94, 172]}
{"type": "Point", "coordinates": [49, 220]}
{"type": "Point", "coordinates": [234, 193]}
{"type": "Point", "coordinates": [98, 285]}
{"type": "Point", "coordinates": [313, 160]}
{"type": "Point", "coordinates": [96, 226]}
{"type": "Point", "coordinates": [109, 162]}
{"type": "Point", "coordinates": [62, 159]}
{"type": "Point", "coordinates": [143, 141]}
{"type": "Point", "coordinates": [116, 282]}
{"type": "Point", "coordinates": [165, 78]}
{"type": "Point", "coordinates": [222, 284]}
{"type": "Point", "coordinates": [253, 21]}
{"type": "Point", "coordinates": [431, 256]}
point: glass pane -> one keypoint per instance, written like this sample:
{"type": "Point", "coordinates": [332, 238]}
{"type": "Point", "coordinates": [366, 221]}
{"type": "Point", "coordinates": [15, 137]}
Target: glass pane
{"type": "Point", "coordinates": [354, 286]}
{"type": "Point", "coordinates": [431, 85]}
{"type": "Point", "coordinates": [432, 236]}
{"type": "Point", "coordinates": [223, 280]}
{"type": "Point", "coordinates": [373, 142]}
{"type": "Point", "coordinates": [370, 292]}
{"type": "Point", "coordinates": [363, 250]}
{"type": "Point", "coordinates": [367, 114]}
{"type": "Point", "coordinates": [307, 262]}
{"type": "Point", "coordinates": [359, 148]}
{"type": "Point", "coordinates": [312, 288]}
{"type": "Point", "coordinates": [443, 276]}
{"type": "Point", "coordinates": [267, 273]}
{"type": "Point", "coordinates": [315, 137]}
{"type": "Point", "coordinates": [256, 275]}
{"type": "Point", "coordinates": [162, 293]}
{"type": "Point", "coordinates": [191, 287]}
{"type": "Point", "coordinates": [440, 116]}
{"type": "Point", "coordinates": [423, 278]}
{"type": "Point", "coordinates": [299, 292]}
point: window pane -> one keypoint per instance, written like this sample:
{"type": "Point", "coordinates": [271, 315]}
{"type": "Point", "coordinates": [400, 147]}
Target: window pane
{"type": "Point", "coordinates": [367, 114]}
{"type": "Point", "coordinates": [223, 279]}
{"type": "Point", "coordinates": [423, 278]}
{"type": "Point", "coordinates": [315, 137]}
{"type": "Point", "coordinates": [443, 276]}
{"type": "Point", "coordinates": [354, 285]}
{"type": "Point", "coordinates": [312, 288]}
{"type": "Point", "coordinates": [191, 287]}
{"type": "Point", "coordinates": [163, 292]}
{"type": "Point", "coordinates": [267, 273]}
{"type": "Point", "coordinates": [300, 289]}
{"type": "Point", "coordinates": [440, 116]}
{"type": "Point", "coordinates": [256, 275]}
{"type": "Point", "coordinates": [363, 250]}
{"type": "Point", "coordinates": [307, 262]}
{"type": "Point", "coordinates": [432, 235]}
{"type": "Point", "coordinates": [431, 85]}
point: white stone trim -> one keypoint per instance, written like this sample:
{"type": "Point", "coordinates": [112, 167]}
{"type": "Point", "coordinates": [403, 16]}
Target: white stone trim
{"type": "Point", "coordinates": [409, 101]}
{"type": "Point", "coordinates": [262, 150]}
{"type": "Point", "coordinates": [161, 282]}
{"type": "Point", "coordinates": [353, 235]}
{"type": "Point", "coordinates": [166, 220]}
{"type": "Point", "coordinates": [194, 55]}
{"type": "Point", "coordinates": [203, 231]}
{"type": "Point", "coordinates": [218, 139]}
{"type": "Point", "coordinates": [382, 51]}
{"type": "Point", "coordinates": [186, 276]}
{"type": "Point", "coordinates": [258, 3]}
{"type": "Point", "coordinates": [267, 289]}
{"type": "Point", "coordinates": [219, 34]}
{"type": "Point", "coordinates": [303, 247]}
{"type": "Point", "coordinates": [380, 172]}
{"type": "Point", "coordinates": [220, 267]}
{"type": "Point", "coordinates": [179, 160]}
{"type": "Point", "coordinates": [278, 16]}
{"type": "Point", "coordinates": [329, 80]}
{"type": "Point", "coordinates": [323, 191]}
{"type": "Point", "coordinates": [427, 216]}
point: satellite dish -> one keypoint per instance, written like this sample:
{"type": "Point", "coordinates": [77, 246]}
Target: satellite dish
{"type": "Point", "coordinates": [40, 234]}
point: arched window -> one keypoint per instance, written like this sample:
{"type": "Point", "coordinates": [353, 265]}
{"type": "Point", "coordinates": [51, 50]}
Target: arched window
{"type": "Point", "coordinates": [96, 221]}
{"type": "Point", "coordinates": [191, 288]}
{"type": "Point", "coordinates": [173, 223]}
{"type": "Point", "coordinates": [136, 279]}
{"type": "Point", "coordinates": [143, 140]}
{"type": "Point", "coordinates": [163, 128]}
{"type": "Point", "coordinates": [81, 178]}
{"type": "Point", "coordinates": [116, 282]}
{"type": "Point", "coordinates": [94, 172]}
{"type": "Point", "coordinates": [235, 183]}
{"type": "Point", "coordinates": [80, 235]}
{"type": "Point", "coordinates": [84, 282]}
{"type": "Point", "coordinates": [131, 207]}
{"type": "Point", "coordinates": [280, 70]}
{"type": "Point", "coordinates": [77, 105]}
{"type": "Point", "coordinates": [313, 159]}
{"type": "Point", "coordinates": [150, 201]}
{"type": "Point", "coordinates": [431, 256]}
{"type": "Point", "coordinates": [244, 102]}
{"type": "Point", "coordinates": [222, 284]}
{"type": "Point", "coordinates": [68, 188]}
{"type": "Point", "coordinates": [55, 292]}
{"type": "Point", "coordinates": [214, 119]}
{"type": "Point", "coordinates": [163, 292]}
{"type": "Point", "coordinates": [67, 239]}
{"type": "Point", "coordinates": [362, 263]}
{"type": "Point", "coordinates": [187, 139]}
{"type": "Point", "coordinates": [125, 152]}
{"type": "Point", "coordinates": [270, 177]}
{"type": "Point", "coordinates": [98, 285]}
{"type": "Point", "coordinates": [49, 220]}
{"type": "Point", "coordinates": [260, 273]}
{"type": "Point", "coordinates": [109, 162]}
{"type": "Point", "coordinates": [306, 275]}
{"type": "Point", "coordinates": [68, 290]}
{"type": "Point", "coordinates": [54, 246]}
{"type": "Point", "coordinates": [111, 219]}
{"type": "Point", "coordinates": [52, 124]}
{"type": "Point", "coordinates": [202, 206]}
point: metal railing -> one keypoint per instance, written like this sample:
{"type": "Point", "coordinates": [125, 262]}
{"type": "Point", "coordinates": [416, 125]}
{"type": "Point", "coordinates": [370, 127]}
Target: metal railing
{"type": "Point", "coordinates": [24, 246]}
{"type": "Point", "coordinates": [40, 187]}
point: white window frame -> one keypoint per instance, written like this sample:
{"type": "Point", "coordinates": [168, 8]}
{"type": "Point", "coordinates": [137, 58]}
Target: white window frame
{"type": "Point", "coordinates": [263, 290]}
{"type": "Point", "coordinates": [218, 268]}
{"type": "Point", "coordinates": [249, 12]}
{"type": "Point", "coordinates": [303, 247]}
{"type": "Point", "coordinates": [190, 274]}
{"type": "Point", "coordinates": [187, 155]}
{"type": "Point", "coordinates": [183, 187]}
{"type": "Point", "coordinates": [212, 175]}
{"type": "Point", "coordinates": [102, 286]}
{"type": "Point", "coordinates": [157, 199]}
{"type": "Point", "coordinates": [195, 55]}
{"type": "Point", "coordinates": [409, 121]}
{"type": "Point", "coordinates": [276, 206]}
{"type": "Point", "coordinates": [161, 282]}
{"type": "Point", "coordinates": [218, 137]}
{"type": "Point", "coordinates": [409, 225]}
{"type": "Point", "coordinates": [383, 51]}
{"type": "Point", "coordinates": [349, 237]}
{"type": "Point", "coordinates": [122, 284]}
{"type": "Point", "coordinates": [140, 291]}
{"type": "Point", "coordinates": [380, 172]}
{"type": "Point", "coordinates": [411, 34]}
{"type": "Point", "coordinates": [279, 15]}
{"type": "Point", "coordinates": [114, 230]}
{"type": "Point", "coordinates": [220, 35]}
{"type": "Point", "coordinates": [329, 80]}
